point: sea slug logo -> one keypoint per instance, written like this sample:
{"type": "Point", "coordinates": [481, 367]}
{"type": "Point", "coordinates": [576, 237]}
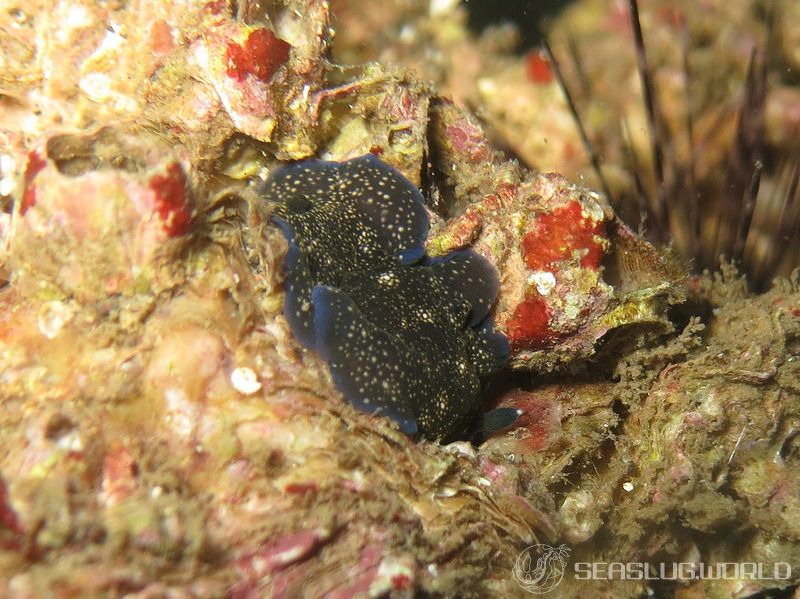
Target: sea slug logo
{"type": "Point", "coordinates": [540, 568]}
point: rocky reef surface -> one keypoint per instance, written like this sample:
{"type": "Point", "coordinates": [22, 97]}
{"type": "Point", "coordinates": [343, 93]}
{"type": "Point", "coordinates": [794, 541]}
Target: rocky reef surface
{"type": "Point", "coordinates": [162, 434]}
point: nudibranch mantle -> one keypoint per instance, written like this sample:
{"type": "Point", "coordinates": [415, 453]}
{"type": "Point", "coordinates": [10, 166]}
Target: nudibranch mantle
{"type": "Point", "coordinates": [342, 218]}
{"type": "Point", "coordinates": [405, 335]}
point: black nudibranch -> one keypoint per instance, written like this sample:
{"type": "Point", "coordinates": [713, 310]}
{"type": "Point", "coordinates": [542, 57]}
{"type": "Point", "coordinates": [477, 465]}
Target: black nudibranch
{"type": "Point", "coordinates": [405, 335]}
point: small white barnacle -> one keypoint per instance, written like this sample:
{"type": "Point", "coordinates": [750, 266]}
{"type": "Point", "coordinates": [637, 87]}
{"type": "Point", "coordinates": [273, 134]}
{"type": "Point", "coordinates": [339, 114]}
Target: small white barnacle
{"type": "Point", "coordinates": [52, 318]}
{"type": "Point", "coordinates": [245, 380]}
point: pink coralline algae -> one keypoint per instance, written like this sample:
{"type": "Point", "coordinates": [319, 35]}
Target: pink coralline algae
{"type": "Point", "coordinates": [538, 69]}
{"type": "Point", "coordinates": [171, 202]}
{"type": "Point", "coordinates": [100, 231]}
{"type": "Point", "coordinates": [465, 137]}
{"type": "Point", "coordinates": [119, 476]}
{"type": "Point", "coordinates": [35, 164]}
{"type": "Point", "coordinates": [539, 425]}
{"type": "Point", "coordinates": [560, 235]}
{"type": "Point", "coordinates": [566, 237]}
{"type": "Point", "coordinates": [11, 531]}
{"type": "Point", "coordinates": [161, 41]}
{"type": "Point", "coordinates": [548, 238]}
{"type": "Point", "coordinates": [216, 7]}
{"type": "Point", "coordinates": [570, 270]}
{"type": "Point", "coordinates": [245, 72]}
{"type": "Point", "coordinates": [530, 325]}
{"type": "Point", "coordinates": [260, 55]}
{"type": "Point", "coordinates": [280, 553]}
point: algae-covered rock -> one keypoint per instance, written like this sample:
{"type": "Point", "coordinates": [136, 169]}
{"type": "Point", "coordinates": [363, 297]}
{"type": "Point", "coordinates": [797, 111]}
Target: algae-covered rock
{"type": "Point", "coordinates": [162, 433]}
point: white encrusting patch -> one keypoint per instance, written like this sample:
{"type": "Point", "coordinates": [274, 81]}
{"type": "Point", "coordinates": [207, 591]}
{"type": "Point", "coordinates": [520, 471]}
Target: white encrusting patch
{"type": "Point", "coordinates": [245, 380]}
{"type": "Point", "coordinates": [543, 280]}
